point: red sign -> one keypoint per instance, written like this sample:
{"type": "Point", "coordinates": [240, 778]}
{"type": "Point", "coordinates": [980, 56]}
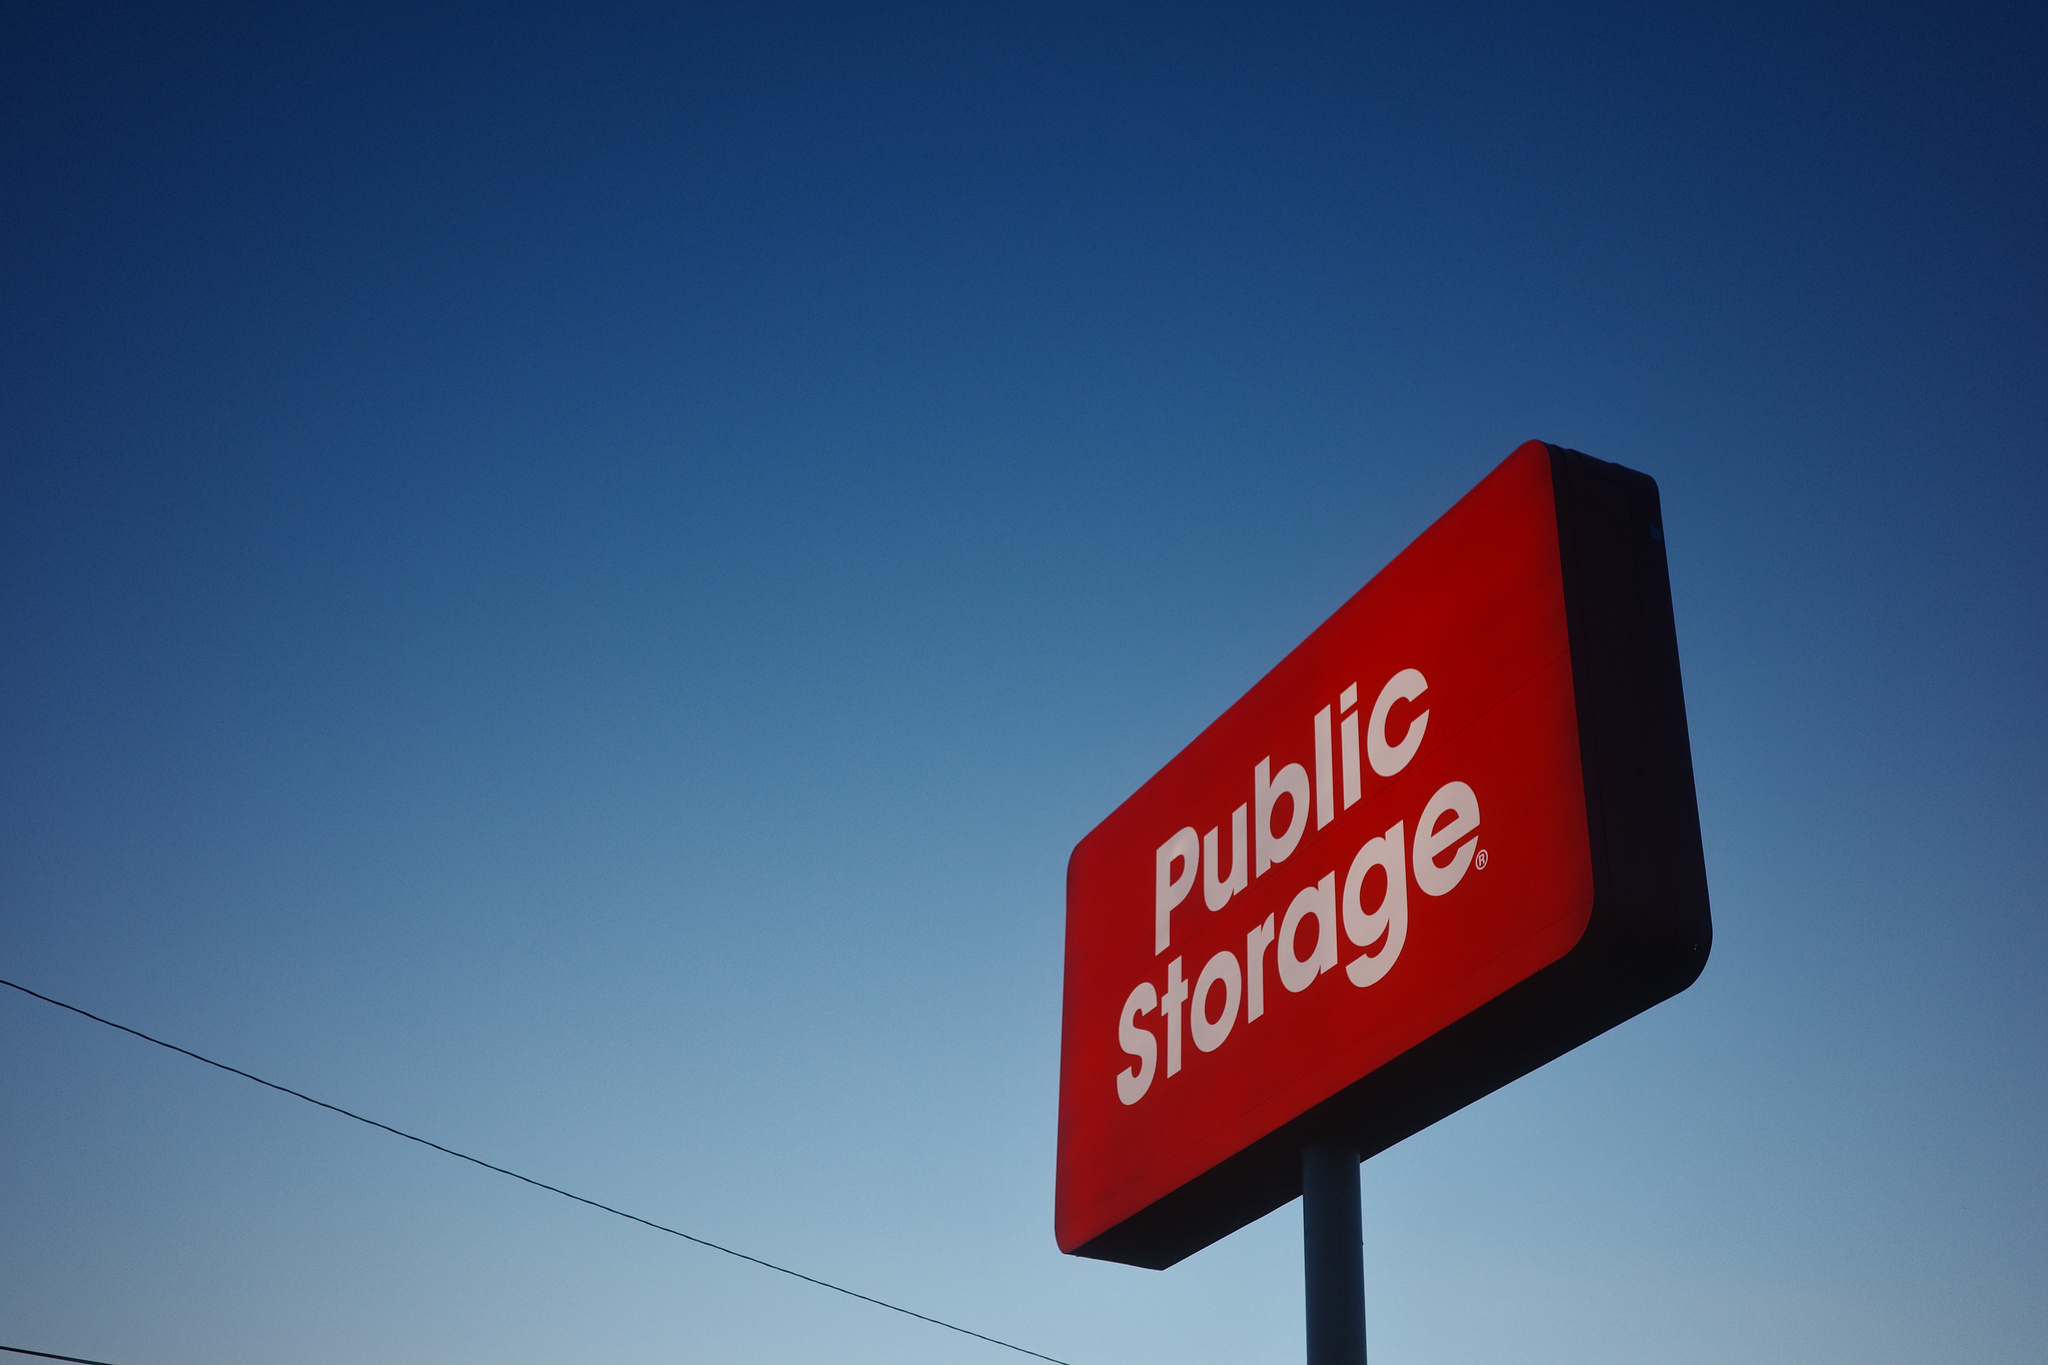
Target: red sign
{"type": "Point", "coordinates": [1449, 837]}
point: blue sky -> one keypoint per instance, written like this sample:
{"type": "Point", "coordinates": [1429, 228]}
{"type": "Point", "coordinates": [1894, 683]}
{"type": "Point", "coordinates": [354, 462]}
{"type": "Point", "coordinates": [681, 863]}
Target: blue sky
{"type": "Point", "coordinates": [570, 579]}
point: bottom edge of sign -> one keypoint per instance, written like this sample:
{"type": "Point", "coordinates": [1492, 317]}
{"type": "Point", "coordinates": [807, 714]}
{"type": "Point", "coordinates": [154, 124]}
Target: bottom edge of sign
{"type": "Point", "coordinates": [1599, 984]}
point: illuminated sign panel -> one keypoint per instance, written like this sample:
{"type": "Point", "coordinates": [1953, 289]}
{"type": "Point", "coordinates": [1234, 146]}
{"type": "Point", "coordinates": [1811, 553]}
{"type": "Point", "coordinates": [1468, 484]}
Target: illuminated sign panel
{"type": "Point", "coordinates": [1449, 837]}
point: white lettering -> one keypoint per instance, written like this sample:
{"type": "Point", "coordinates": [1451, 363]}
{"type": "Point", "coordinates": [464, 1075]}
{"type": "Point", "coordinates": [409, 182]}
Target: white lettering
{"type": "Point", "coordinates": [1348, 739]}
{"type": "Point", "coordinates": [1388, 759]}
{"type": "Point", "coordinates": [1221, 970]}
{"type": "Point", "coordinates": [1217, 891]}
{"type": "Point", "coordinates": [1171, 888]}
{"type": "Point", "coordinates": [1326, 796]}
{"type": "Point", "coordinates": [1318, 902]}
{"type": "Point", "coordinates": [1255, 945]}
{"type": "Point", "coordinates": [1133, 1081]}
{"type": "Point", "coordinates": [1444, 849]}
{"type": "Point", "coordinates": [1266, 793]}
{"type": "Point", "coordinates": [1390, 921]}
{"type": "Point", "coordinates": [1176, 993]}
{"type": "Point", "coordinates": [1456, 800]}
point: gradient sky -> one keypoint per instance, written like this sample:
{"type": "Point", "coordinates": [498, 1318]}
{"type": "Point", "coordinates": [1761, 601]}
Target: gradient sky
{"type": "Point", "coordinates": [570, 580]}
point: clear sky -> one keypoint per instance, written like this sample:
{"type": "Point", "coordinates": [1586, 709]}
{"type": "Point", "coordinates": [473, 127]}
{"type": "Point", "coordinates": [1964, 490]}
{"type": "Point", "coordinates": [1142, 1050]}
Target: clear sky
{"type": "Point", "coordinates": [570, 579]}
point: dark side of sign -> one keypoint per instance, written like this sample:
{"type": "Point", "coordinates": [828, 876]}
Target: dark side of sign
{"type": "Point", "coordinates": [1448, 838]}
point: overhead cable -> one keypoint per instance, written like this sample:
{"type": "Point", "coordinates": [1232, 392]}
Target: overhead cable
{"type": "Point", "coordinates": [47, 1355]}
{"type": "Point", "coordinates": [538, 1184]}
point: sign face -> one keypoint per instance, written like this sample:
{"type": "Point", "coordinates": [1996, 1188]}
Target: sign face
{"type": "Point", "coordinates": [1448, 838]}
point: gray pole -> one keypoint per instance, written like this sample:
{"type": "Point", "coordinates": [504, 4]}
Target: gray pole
{"type": "Point", "coordinates": [1333, 1254]}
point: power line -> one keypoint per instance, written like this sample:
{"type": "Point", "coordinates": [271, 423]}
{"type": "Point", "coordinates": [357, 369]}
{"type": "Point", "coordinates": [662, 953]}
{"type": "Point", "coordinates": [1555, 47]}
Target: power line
{"type": "Point", "coordinates": [46, 1355]}
{"type": "Point", "coordinates": [538, 1184]}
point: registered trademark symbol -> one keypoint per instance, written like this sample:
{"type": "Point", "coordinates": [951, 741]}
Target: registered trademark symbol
{"type": "Point", "coordinates": [1480, 861]}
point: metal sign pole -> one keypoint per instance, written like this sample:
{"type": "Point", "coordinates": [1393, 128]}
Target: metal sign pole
{"type": "Point", "coordinates": [1333, 1254]}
